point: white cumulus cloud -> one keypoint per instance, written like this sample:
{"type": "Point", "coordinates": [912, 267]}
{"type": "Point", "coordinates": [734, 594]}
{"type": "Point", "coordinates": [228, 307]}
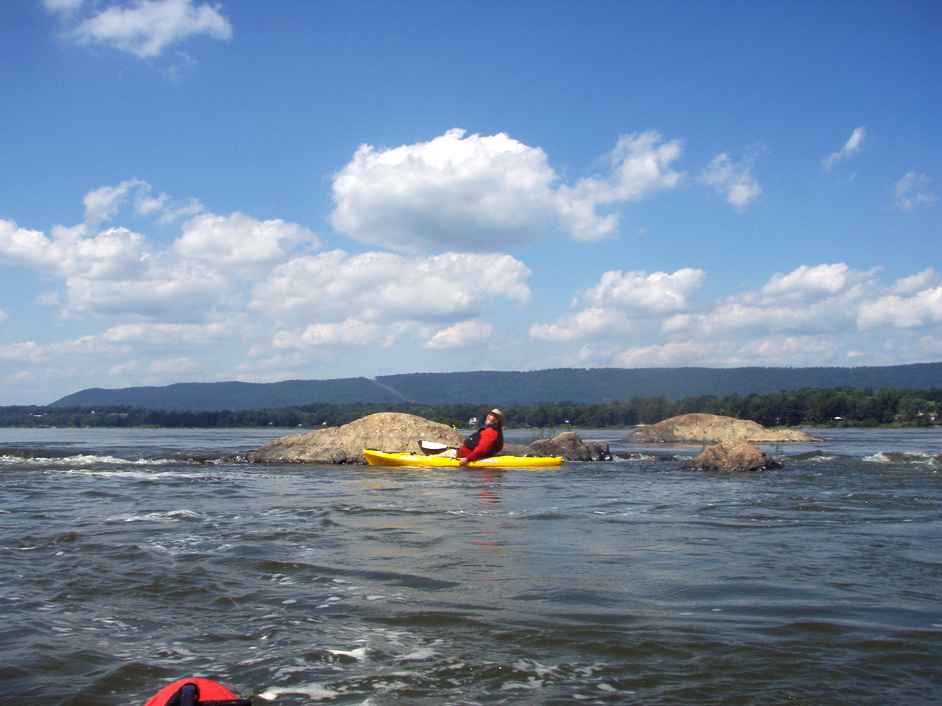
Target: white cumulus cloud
{"type": "Point", "coordinates": [641, 164]}
{"type": "Point", "coordinates": [117, 271]}
{"type": "Point", "coordinates": [383, 286]}
{"type": "Point", "coordinates": [143, 27]}
{"type": "Point", "coordinates": [807, 300]}
{"type": "Point", "coordinates": [184, 290]}
{"type": "Point", "coordinates": [654, 292]}
{"type": "Point", "coordinates": [851, 147]}
{"type": "Point", "coordinates": [920, 309]}
{"type": "Point", "coordinates": [464, 333]}
{"type": "Point", "coordinates": [30, 352]}
{"type": "Point", "coordinates": [346, 333]}
{"type": "Point", "coordinates": [466, 192]}
{"type": "Point", "coordinates": [914, 190]}
{"type": "Point", "coordinates": [486, 192]}
{"type": "Point", "coordinates": [103, 203]}
{"type": "Point", "coordinates": [166, 334]}
{"type": "Point", "coordinates": [607, 309]}
{"type": "Point", "coordinates": [240, 240]}
{"type": "Point", "coordinates": [69, 252]}
{"type": "Point", "coordinates": [587, 323]}
{"type": "Point", "coordinates": [809, 280]}
{"type": "Point", "coordinates": [733, 180]}
{"type": "Point", "coordinates": [913, 283]}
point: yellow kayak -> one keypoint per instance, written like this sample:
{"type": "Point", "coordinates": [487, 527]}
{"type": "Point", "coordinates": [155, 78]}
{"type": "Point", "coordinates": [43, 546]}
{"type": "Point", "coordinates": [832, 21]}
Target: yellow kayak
{"type": "Point", "coordinates": [382, 458]}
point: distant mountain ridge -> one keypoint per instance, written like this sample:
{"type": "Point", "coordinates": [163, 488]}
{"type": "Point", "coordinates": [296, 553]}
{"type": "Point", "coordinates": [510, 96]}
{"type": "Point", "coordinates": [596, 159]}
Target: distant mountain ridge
{"type": "Point", "coordinates": [585, 385]}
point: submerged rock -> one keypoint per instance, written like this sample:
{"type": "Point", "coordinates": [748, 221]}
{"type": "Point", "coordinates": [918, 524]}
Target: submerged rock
{"type": "Point", "coordinates": [383, 431]}
{"type": "Point", "coordinates": [713, 428]}
{"type": "Point", "coordinates": [571, 447]}
{"type": "Point", "coordinates": [733, 457]}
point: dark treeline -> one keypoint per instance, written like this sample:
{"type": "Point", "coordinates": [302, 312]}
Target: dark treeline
{"type": "Point", "coordinates": [858, 407]}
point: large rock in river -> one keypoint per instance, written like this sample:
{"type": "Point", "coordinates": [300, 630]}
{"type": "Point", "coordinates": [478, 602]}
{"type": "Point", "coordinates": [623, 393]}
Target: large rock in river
{"type": "Point", "coordinates": [383, 431]}
{"type": "Point", "coordinates": [570, 446]}
{"type": "Point", "coordinates": [712, 428]}
{"type": "Point", "coordinates": [733, 457]}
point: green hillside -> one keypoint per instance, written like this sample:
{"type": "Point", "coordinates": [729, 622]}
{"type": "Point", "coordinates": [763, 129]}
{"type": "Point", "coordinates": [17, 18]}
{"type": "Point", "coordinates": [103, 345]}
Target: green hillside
{"type": "Point", "coordinates": [506, 388]}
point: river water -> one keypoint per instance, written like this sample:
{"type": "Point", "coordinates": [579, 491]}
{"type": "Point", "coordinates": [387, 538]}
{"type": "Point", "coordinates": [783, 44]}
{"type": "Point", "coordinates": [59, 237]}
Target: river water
{"type": "Point", "coordinates": [133, 557]}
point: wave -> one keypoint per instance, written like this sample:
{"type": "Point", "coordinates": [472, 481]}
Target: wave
{"type": "Point", "coordinates": [81, 460]}
{"type": "Point", "coordinates": [812, 457]}
{"type": "Point", "coordinates": [170, 515]}
{"type": "Point", "coordinates": [633, 456]}
{"type": "Point", "coordinates": [904, 457]}
{"type": "Point", "coordinates": [57, 457]}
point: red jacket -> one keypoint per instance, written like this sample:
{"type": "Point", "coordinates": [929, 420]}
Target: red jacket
{"type": "Point", "coordinates": [490, 442]}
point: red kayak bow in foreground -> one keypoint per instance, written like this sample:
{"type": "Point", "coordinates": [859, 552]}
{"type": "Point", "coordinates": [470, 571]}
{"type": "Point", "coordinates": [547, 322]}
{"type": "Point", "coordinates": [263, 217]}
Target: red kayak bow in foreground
{"type": "Point", "coordinates": [196, 691]}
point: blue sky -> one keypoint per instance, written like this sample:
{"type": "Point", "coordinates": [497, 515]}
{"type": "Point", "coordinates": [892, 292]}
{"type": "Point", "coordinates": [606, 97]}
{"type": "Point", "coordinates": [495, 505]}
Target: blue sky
{"type": "Point", "coordinates": [196, 191]}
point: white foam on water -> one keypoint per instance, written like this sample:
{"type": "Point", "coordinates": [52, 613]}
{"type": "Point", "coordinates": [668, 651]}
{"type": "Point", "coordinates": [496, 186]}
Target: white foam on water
{"type": "Point", "coordinates": [390, 686]}
{"type": "Point", "coordinates": [358, 654]}
{"type": "Point", "coordinates": [526, 665]}
{"type": "Point", "coordinates": [633, 456]}
{"type": "Point", "coordinates": [83, 460]}
{"type": "Point", "coordinates": [530, 684]}
{"type": "Point", "coordinates": [173, 515]}
{"type": "Point", "coordinates": [127, 474]}
{"type": "Point", "coordinates": [911, 457]}
{"type": "Point", "coordinates": [313, 691]}
{"type": "Point", "coordinates": [419, 655]}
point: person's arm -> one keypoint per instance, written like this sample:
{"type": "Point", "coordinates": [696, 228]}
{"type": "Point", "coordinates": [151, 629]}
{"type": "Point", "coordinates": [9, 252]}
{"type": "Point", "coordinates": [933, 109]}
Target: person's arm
{"type": "Point", "coordinates": [484, 447]}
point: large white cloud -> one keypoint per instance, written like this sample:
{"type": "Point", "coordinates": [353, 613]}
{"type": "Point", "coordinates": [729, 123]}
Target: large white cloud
{"type": "Point", "coordinates": [474, 192]}
{"type": "Point", "coordinates": [486, 192]}
{"type": "Point", "coordinates": [851, 147]}
{"type": "Point", "coordinates": [920, 309]}
{"type": "Point", "coordinates": [733, 180]}
{"type": "Point", "coordinates": [238, 240]}
{"type": "Point", "coordinates": [140, 27]}
{"type": "Point", "coordinates": [383, 286]}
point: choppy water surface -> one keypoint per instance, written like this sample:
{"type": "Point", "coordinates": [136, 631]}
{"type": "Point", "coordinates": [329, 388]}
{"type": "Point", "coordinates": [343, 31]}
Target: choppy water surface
{"type": "Point", "coordinates": [131, 558]}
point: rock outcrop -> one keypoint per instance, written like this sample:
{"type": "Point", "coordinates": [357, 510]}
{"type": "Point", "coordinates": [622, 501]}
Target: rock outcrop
{"type": "Point", "coordinates": [570, 447]}
{"type": "Point", "coordinates": [712, 428]}
{"type": "Point", "coordinates": [733, 457]}
{"type": "Point", "coordinates": [383, 431]}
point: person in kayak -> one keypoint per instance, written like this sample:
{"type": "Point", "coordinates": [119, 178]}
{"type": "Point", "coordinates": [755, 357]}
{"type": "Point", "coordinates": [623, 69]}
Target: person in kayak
{"type": "Point", "coordinates": [486, 441]}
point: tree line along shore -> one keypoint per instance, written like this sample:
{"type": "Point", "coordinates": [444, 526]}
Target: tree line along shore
{"type": "Point", "coordinates": [806, 407]}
